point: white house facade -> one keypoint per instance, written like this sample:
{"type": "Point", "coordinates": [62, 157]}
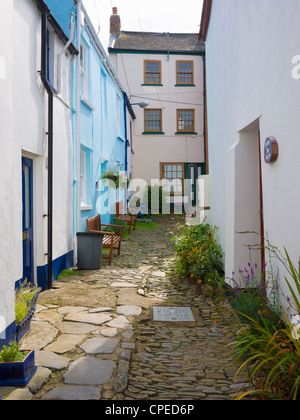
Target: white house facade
{"type": "Point", "coordinates": [253, 95]}
{"type": "Point", "coordinates": [166, 71]}
{"type": "Point", "coordinates": [24, 155]}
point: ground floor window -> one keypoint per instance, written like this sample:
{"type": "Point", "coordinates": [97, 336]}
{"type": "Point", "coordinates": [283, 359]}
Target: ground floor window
{"type": "Point", "coordinates": [172, 177]}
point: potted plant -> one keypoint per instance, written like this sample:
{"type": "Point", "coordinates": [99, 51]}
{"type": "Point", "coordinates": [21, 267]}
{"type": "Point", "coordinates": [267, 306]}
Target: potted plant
{"type": "Point", "coordinates": [16, 366]}
{"type": "Point", "coordinates": [25, 304]}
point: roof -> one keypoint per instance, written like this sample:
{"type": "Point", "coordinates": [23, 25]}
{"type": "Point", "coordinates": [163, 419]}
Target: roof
{"type": "Point", "coordinates": [186, 43]}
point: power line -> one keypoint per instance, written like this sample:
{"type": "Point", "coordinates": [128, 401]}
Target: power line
{"type": "Point", "coordinates": [162, 100]}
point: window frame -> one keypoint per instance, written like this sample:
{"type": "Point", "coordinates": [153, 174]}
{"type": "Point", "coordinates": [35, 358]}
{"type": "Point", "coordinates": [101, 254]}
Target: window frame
{"type": "Point", "coordinates": [180, 83]}
{"type": "Point", "coordinates": [145, 120]}
{"type": "Point", "coordinates": [162, 164]}
{"type": "Point", "coordinates": [84, 70]}
{"type": "Point", "coordinates": [180, 130]}
{"type": "Point", "coordinates": [152, 73]}
{"type": "Point", "coordinates": [83, 177]}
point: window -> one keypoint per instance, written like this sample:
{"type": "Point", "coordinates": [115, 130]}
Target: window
{"type": "Point", "coordinates": [185, 73]}
{"type": "Point", "coordinates": [84, 70]}
{"type": "Point", "coordinates": [153, 120]}
{"type": "Point", "coordinates": [83, 177]}
{"type": "Point", "coordinates": [185, 120]}
{"type": "Point", "coordinates": [152, 72]}
{"type": "Point", "coordinates": [172, 176]}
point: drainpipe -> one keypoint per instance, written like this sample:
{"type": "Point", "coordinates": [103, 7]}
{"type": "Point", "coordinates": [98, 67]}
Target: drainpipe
{"type": "Point", "coordinates": [50, 144]}
{"type": "Point", "coordinates": [204, 112]}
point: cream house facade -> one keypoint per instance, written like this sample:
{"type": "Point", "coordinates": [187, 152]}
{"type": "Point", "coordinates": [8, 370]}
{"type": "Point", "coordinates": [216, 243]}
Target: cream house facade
{"type": "Point", "coordinates": [253, 95]}
{"type": "Point", "coordinates": [166, 71]}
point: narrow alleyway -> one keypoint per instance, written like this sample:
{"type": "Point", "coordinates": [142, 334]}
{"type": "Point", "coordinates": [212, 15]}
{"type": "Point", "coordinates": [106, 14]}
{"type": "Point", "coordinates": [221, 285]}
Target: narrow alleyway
{"type": "Point", "coordinates": [95, 337]}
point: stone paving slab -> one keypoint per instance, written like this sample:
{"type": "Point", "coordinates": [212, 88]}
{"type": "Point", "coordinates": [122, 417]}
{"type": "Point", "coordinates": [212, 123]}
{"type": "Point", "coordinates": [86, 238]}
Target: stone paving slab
{"type": "Point", "coordinates": [95, 319]}
{"type": "Point", "coordinates": [89, 371]}
{"type": "Point", "coordinates": [74, 393]}
{"type": "Point", "coordinates": [65, 343]}
{"type": "Point", "coordinates": [100, 345]}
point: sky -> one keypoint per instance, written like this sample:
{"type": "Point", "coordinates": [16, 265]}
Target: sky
{"type": "Point", "coordinates": [146, 15]}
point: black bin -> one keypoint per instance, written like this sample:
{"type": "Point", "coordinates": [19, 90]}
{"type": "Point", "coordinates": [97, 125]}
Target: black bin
{"type": "Point", "coordinates": [89, 250]}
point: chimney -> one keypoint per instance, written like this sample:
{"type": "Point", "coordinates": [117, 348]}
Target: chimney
{"type": "Point", "coordinates": [115, 23]}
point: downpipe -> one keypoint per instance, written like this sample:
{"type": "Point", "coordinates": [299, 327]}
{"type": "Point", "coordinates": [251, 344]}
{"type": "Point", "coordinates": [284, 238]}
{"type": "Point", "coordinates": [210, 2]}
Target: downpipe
{"type": "Point", "coordinates": [50, 146]}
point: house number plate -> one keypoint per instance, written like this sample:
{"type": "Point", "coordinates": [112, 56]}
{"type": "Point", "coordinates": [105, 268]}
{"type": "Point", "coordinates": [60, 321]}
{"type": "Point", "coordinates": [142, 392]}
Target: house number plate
{"type": "Point", "coordinates": [173, 314]}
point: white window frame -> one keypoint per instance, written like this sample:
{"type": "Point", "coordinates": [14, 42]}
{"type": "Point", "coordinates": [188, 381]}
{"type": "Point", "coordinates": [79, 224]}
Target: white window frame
{"type": "Point", "coordinates": [84, 68]}
{"type": "Point", "coordinates": [83, 177]}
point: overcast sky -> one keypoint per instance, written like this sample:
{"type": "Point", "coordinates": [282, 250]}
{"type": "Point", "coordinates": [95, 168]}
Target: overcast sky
{"type": "Point", "coordinates": [144, 15]}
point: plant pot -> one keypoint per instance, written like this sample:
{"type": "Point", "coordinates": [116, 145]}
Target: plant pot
{"type": "Point", "coordinates": [18, 374]}
{"type": "Point", "coordinates": [32, 303]}
{"type": "Point", "coordinates": [24, 326]}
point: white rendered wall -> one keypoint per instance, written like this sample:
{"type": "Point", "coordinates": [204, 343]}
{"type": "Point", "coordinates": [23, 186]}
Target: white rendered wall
{"type": "Point", "coordinates": [250, 46]}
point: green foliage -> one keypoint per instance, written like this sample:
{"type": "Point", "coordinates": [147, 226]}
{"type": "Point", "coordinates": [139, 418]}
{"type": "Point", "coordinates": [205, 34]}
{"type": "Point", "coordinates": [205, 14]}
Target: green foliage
{"type": "Point", "coordinates": [295, 275]}
{"type": "Point", "coordinates": [115, 229]}
{"type": "Point", "coordinates": [12, 354]}
{"type": "Point", "coordinates": [271, 358]}
{"type": "Point", "coordinates": [198, 255]}
{"type": "Point", "coordinates": [141, 225]}
{"type": "Point", "coordinates": [118, 179]}
{"type": "Point", "coordinates": [68, 273]}
{"type": "Point", "coordinates": [155, 191]}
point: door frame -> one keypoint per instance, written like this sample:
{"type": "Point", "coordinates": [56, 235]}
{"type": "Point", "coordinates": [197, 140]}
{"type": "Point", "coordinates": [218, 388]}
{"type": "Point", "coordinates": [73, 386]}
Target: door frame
{"type": "Point", "coordinates": [28, 232]}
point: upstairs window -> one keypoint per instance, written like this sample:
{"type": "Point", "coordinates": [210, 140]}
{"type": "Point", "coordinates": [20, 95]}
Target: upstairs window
{"type": "Point", "coordinates": [185, 120]}
{"type": "Point", "coordinates": [152, 72]}
{"type": "Point", "coordinates": [153, 120]}
{"type": "Point", "coordinates": [84, 70]}
{"type": "Point", "coordinates": [185, 73]}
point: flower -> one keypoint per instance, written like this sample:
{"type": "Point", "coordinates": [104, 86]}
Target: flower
{"type": "Point", "coordinates": [199, 281]}
{"type": "Point", "coordinates": [192, 276]}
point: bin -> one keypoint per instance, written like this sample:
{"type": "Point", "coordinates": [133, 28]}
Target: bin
{"type": "Point", "coordinates": [89, 250]}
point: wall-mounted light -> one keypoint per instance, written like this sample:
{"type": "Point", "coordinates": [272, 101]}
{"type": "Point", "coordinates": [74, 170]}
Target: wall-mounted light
{"type": "Point", "coordinates": [141, 104]}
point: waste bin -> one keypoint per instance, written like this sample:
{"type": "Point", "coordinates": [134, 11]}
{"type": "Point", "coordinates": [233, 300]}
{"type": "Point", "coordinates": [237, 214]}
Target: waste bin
{"type": "Point", "coordinates": [89, 250]}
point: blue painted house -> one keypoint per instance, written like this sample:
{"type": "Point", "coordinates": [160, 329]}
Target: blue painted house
{"type": "Point", "coordinates": [101, 116]}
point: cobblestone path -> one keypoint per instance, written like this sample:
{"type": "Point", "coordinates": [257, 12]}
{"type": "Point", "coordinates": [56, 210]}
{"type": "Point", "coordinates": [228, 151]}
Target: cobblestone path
{"type": "Point", "coordinates": [94, 336]}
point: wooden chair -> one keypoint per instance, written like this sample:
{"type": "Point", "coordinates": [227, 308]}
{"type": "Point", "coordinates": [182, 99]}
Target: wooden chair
{"type": "Point", "coordinates": [111, 240]}
{"type": "Point", "coordinates": [121, 214]}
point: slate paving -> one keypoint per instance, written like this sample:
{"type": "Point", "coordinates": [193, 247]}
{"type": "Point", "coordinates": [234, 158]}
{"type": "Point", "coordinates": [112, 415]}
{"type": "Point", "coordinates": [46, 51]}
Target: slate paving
{"type": "Point", "coordinates": [95, 337]}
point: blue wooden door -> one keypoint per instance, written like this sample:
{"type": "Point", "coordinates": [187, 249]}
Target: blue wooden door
{"type": "Point", "coordinates": [27, 193]}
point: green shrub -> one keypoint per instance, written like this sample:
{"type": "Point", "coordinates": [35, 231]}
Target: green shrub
{"type": "Point", "coordinates": [12, 354]}
{"type": "Point", "coordinates": [198, 255]}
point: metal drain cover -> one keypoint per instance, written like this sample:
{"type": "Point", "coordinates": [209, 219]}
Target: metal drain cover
{"type": "Point", "coordinates": [173, 314]}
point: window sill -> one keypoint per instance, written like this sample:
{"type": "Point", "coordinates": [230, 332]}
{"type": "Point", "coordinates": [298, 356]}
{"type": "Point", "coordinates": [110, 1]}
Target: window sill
{"type": "Point", "coordinates": [150, 133]}
{"type": "Point", "coordinates": [151, 84]}
{"type": "Point", "coordinates": [87, 103]}
{"type": "Point", "coordinates": [86, 207]}
{"type": "Point", "coordinates": [186, 132]}
{"type": "Point", "coordinates": [185, 85]}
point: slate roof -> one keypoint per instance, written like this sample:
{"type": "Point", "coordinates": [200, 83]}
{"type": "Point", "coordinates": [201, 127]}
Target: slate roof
{"type": "Point", "coordinates": [158, 42]}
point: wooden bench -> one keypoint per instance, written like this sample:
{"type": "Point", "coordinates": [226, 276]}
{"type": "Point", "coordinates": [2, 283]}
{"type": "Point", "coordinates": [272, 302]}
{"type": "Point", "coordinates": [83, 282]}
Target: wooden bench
{"type": "Point", "coordinates": [111, 240]}
{"type": "Point", "coordinates": [121, 214]}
